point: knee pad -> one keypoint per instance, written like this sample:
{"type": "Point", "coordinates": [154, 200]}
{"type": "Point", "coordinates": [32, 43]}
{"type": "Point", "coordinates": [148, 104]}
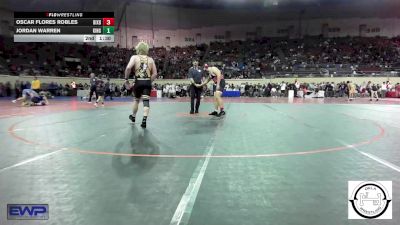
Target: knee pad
{"type": "Point", "coordinates": [146, 99]}
{"type": "Point", "coordinates": [146, 103]}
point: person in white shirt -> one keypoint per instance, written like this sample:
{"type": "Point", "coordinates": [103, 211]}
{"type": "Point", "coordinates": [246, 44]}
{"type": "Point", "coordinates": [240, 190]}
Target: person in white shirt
{"type": "Point", "coordinates": [273, 92]}
{"type": "Point", "coordinates": [165, 90]}
{"type": "Point", "coordinates": [297, 84]}
{"type": "Point", "coordinates": [389, 86]}
{"type": "Point", "coordinates": [383, 90]}
{"type": "Point", "coordinates": [283, 89]}
{"type": "Point", "coordinates": [172, 91]}
{"type": "Point", "coordinates": [242, 86]}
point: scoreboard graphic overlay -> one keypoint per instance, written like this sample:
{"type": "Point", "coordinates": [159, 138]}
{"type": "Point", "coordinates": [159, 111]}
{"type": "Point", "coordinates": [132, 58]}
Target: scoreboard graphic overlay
{"type": "Point", "coordinates": [64, 27]}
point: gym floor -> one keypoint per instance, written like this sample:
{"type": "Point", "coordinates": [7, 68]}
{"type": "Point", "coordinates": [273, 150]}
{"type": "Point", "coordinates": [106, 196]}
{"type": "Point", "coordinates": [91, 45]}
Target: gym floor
{"type": "Point", "coordinates": [266, 162]}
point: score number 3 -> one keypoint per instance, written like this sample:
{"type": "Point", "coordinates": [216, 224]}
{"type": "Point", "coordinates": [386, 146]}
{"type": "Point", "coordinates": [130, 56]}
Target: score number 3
{"type": "Point", "coordinates": [108, 21]}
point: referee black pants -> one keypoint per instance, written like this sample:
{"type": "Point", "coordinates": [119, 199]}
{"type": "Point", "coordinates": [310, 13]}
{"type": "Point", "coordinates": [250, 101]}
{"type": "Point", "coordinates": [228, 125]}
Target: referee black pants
{"type": "Point", "coordinates": [195, 93]}
{"type": "Point", "coordinates": [92, 89]}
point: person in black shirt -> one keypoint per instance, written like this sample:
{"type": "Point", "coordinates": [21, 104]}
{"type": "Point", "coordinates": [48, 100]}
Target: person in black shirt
{"type": "Point", "coordinates": [195, 77]}
{"type": "Point", "coordinates": [93, 86]}
{"type": "Point", "coordinates": [17, 88]}
{"type": "Point", "coordinates": [374, 92]}
{"type": "Point", "coordinates": [108, 89]}
{"type": "Point", "coordinates": [329, 90]}
{"type": "Point", "coordinates": [100, 89]}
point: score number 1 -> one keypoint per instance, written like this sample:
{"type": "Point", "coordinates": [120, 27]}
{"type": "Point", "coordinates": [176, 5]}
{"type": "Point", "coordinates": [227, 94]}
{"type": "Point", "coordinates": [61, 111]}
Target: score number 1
{"type": "Point", "coordinates": [108, 25]}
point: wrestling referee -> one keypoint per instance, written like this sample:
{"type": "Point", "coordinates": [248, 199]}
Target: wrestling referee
{"type": "Point", "coordinates": [195, 77]}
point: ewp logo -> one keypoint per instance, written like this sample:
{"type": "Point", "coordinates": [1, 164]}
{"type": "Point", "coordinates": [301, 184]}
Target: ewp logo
{"type": "Point", "coordinates": [27, 211]}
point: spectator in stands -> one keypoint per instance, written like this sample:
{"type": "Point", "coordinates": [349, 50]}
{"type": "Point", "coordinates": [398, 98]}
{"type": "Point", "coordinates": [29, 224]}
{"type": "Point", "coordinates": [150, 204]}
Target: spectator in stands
{"type": "Point", "coordinates": [245, 59]}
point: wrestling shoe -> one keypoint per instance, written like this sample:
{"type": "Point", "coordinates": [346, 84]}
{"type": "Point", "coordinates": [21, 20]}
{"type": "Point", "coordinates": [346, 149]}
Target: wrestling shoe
{"type": "Point", "coordinates": [144, 121]}
{"type": "Point", "coordinates": [213, 113]}
{"type": "Point", "coordinates": [132, 118]}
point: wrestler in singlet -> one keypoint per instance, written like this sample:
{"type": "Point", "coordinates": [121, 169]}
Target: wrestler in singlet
{"type": "Point", "coordinates": [145, 71]}
{"type": "Point", "coordinates": [142, 85]}
{"type": "Point", "coordinates": [214, 77]}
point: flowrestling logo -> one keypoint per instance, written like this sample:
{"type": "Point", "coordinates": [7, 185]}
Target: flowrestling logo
{"type": "Point", "coordinates": [370, 200]}
{"type": "Point", "coordinates": [27, 211]}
